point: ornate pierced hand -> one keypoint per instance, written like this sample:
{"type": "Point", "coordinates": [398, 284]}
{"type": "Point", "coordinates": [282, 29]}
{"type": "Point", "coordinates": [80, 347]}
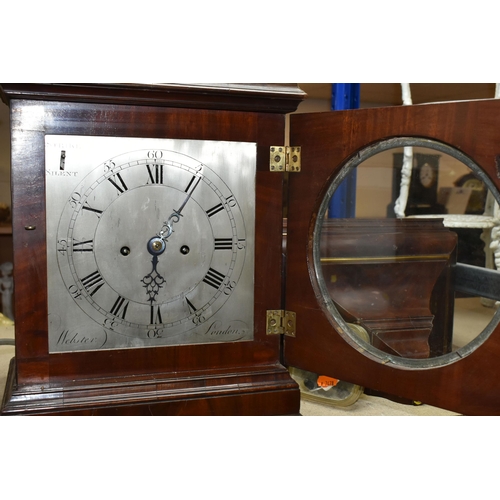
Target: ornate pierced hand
{"type": "Point", "coordinates": [154, 280]}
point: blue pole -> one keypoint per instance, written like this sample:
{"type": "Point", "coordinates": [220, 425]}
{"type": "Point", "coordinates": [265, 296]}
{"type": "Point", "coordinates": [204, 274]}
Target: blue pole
{"type": "Point", "coordinates": [343, 202]}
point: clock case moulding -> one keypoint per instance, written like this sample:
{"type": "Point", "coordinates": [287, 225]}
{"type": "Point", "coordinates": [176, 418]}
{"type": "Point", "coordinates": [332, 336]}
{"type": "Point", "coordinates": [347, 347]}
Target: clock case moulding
{"type": "Point", "coordinates": [232, 378]}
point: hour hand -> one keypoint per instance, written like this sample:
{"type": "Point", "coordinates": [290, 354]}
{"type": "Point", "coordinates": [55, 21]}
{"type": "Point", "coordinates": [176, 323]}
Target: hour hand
{"type": "Point", "coordinates": [154, 280]}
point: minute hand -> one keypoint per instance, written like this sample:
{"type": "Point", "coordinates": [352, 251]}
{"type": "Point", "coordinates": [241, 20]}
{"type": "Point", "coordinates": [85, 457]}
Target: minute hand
{"type": "Point", "coordinates": [175, 216]}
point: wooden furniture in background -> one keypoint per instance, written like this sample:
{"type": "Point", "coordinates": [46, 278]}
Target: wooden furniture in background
{"type": "Point", "coordinates": [394, 277]}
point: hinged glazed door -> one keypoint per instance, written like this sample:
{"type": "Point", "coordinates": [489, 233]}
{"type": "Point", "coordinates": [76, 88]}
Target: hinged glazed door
{"type": "Point", "coordinates": [399, 279]}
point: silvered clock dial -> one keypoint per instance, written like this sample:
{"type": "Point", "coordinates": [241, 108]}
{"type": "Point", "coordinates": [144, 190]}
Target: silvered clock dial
{"type": "Point", "coordinates": [149, 241]}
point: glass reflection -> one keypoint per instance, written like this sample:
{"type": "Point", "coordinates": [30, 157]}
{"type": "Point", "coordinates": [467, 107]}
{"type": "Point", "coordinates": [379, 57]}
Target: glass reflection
{"type": "Point", "coordinates": [391, 236]}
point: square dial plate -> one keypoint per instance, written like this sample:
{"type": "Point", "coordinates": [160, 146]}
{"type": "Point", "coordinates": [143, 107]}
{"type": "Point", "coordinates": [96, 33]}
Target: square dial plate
{"type": "Point", "coordinates": [150, 242]}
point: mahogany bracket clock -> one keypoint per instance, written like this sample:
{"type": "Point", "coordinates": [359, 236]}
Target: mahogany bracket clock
{"type": "Point", "coordinates": [147, 235]}
{"type": "Point", "coordinates": [151, 272]}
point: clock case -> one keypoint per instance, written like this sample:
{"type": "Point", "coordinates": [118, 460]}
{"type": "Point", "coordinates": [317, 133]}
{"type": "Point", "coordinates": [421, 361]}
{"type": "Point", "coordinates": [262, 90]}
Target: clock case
{"type": "Point", "coordinates": [246, 378]}
{"type": "Point", "coordinates": [422, 199]}
{"type": "Point", "coordinates": [230, 378]}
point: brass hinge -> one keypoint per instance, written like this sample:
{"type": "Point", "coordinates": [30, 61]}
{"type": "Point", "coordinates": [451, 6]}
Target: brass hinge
{"type": "Point", "coordinates": [284, 159]}
{"type": "Point", "coordinates": [281, 322]}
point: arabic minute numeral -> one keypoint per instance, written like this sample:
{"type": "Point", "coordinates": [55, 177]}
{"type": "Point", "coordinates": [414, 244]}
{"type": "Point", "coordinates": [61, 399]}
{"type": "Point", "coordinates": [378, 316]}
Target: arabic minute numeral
{"type": "Point", "coordinates": [231, 201]}
{"type": "Point", "coordinates": [75, 292]}
{"type": "Point", "coordinates": [62, 246]}
{"type": "Point", "coordinates": [228, 290]}
{"type": "Point", "coordinates": [108, 166]}
{"type": "Point", "coordinates": [155, 334]}
{"type": "Point", "coordinates": [156, 155]}
{"type": "Point", "coordinates": [75, 199]}
{"type": "Point", "coordinates": [109, 324]}
{"type": "Point", "coordinates": [198, 319]}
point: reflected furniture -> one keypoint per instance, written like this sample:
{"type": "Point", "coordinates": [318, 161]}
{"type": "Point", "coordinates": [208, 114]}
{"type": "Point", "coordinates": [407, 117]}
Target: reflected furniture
{"type": "Point", "coordinates": [393, 277]}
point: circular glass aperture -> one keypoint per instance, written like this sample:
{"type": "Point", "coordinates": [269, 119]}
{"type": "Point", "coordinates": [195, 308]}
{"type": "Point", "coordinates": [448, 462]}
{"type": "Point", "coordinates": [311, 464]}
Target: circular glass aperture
{"type": "Point", "coordinates": [404, 249]}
